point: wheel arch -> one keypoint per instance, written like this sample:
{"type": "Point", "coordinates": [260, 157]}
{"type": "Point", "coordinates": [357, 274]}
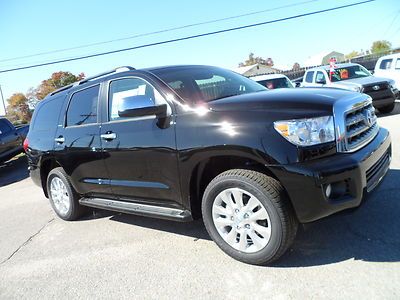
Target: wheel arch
{"type": "Point", "coordinates": [207, 169]}
{"type": "Point", "coordinates": [45, 167]}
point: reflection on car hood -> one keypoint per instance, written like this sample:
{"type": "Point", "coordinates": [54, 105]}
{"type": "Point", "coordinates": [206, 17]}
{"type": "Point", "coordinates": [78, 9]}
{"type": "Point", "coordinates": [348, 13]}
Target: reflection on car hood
{"type": "Point", "coordinates": [302, 99]}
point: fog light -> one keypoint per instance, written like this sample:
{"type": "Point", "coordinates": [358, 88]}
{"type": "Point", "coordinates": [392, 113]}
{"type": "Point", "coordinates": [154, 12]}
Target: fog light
{"type": "Point", "coordinates": [328, 190]}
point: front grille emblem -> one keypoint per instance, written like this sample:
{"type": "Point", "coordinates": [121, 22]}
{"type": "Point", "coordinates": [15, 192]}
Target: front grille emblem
{"type": "Point", "coordinates": [376, 87]}
{"type": "Point", "coordinates": [368, 118]}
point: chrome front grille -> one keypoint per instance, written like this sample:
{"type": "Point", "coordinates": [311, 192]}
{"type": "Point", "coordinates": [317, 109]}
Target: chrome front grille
{"type": "Point", "coordinates": [359, 126]}
{"type": "Point", "coordinates": [375, 87]}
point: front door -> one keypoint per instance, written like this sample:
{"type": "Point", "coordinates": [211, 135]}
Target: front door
{"type": "Point", "coordinates": [140, 156]}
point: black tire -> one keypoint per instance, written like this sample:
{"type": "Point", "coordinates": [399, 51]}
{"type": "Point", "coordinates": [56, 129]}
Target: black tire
{"type": "Point", "coordinates": [387, 109]}
{"type": "Point", "coordinates": [272, 196]}
{"type": "Point", "coordinates": [75, 210]}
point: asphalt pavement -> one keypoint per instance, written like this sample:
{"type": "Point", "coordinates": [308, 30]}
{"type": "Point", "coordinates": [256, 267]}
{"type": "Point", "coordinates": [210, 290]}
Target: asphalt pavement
{"type": "Point", "coordinates": [352, 254]}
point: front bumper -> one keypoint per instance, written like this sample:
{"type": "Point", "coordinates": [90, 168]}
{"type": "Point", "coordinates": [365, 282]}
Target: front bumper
{"type": "Point", "coordinates": [356, 174]}
{"type": "Point", "coordinates": [383, 102]}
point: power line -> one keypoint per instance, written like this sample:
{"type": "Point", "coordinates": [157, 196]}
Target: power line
{"type": "Point", "coordinates": [391, 24]}
{"type": "Point", "coordinates": [158, 31]}
{"type": "Point", "coordinates": [187, 37]}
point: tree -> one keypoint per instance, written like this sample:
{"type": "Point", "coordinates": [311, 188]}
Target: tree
{"type": "Point", "coordinates": [352, 54]}
{"type": "Point", "coordinates": [56, 81]}
{"type": "Point", "coordinates": [257, 60]}
{"type": "Point", "coordinates": [296, 66]}
{"type": "Point", "coordinates": [18, 109]}
{"type": "Point", "coordinates": [380, 46]}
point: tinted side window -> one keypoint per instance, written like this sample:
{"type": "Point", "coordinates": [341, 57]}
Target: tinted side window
{"type": "Point", "coordinates": [130, 87]}
{"type": "Point", "coordinates": [83, 107]}
{"type": "Point", "coordinates": [4, 127]}
{"type": "Point", "coordinates": [309, 76]}
{"type": "Point", "coordinates": [385, 64]}
{"type": "Point", "coordinates": [46, 115]}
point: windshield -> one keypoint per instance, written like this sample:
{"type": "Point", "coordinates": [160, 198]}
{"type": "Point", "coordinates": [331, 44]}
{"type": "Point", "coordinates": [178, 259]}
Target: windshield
{"type": "Point", "coordinates": [276, 83]}
{"type": "Point", "coordinates": [204, 84]}
{"type": "Point", "coordinates": [346, 73]}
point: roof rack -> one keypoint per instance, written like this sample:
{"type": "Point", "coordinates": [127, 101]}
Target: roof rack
{"type": "Point", "coordinates": [116, 70]}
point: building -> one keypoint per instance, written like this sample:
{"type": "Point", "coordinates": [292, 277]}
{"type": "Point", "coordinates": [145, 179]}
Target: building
{"type": "Point", "coordinates": [323, 58]}
{"type": "Point", "coordinates": [256, 69]}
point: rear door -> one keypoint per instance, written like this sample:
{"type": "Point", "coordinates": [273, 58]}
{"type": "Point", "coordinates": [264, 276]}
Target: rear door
{"type": "Point", "coordinates": [140, 156]}
{"type": "Point", "coordinates": [78, 145]}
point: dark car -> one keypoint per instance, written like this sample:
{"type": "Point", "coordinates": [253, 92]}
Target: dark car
{"type": "Point", "coordinates": [184, 142]}
{"type": "Point", "coordinates": [11, 139]}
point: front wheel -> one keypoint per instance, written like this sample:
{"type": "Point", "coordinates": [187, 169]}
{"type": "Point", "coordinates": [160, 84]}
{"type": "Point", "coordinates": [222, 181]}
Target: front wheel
{"type": "Point", "coordinates": [248, 216]}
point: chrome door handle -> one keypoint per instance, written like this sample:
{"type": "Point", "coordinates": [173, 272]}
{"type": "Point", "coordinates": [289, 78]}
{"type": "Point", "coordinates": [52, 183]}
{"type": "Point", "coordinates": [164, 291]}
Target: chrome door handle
{"type": "Point", "coordinates": [60, 140]}
{"type": "Point", "coordinates": [108, 136]}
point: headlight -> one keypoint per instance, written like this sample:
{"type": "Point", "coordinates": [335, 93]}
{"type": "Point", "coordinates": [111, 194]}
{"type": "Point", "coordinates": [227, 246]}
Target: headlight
{"type": "Point", "coordinates": [307, 132]}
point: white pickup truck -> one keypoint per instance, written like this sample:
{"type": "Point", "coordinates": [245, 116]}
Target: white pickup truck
{"type": "Point", "coordinates": [354, 77]}
{"type": "Point", "coordinates": [388, 66]}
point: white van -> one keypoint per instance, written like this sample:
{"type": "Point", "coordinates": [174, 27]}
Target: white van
{"type": "Point", "coordinates": [389, 66]}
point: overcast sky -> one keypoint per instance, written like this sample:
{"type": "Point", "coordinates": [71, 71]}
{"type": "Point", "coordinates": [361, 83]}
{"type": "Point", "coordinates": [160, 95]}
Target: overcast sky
{"type": "Point", "coordinates": [31, 27]}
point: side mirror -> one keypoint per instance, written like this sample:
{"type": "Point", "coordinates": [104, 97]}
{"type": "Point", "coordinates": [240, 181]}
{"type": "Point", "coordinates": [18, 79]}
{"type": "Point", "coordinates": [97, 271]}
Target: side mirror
{"type": "Point", "coordinates": [320, 81]}
{"type": "Point", "coordinates": [141, 105]}
{"type": "Point", "coordinates": [138, 106]}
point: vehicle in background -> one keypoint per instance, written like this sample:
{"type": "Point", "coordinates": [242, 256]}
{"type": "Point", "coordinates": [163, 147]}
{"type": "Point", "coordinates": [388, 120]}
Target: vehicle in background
{"type": "Point", "coordinates": [11, 139]}
{"type": "Point", "coordinates": [297, 81]}
{"type": "Point", "coordinates": [388, 66]}
{"type": "Point", "coordinates": [273, 81]}
{"type": "Point", "coordinates": [354, 77]}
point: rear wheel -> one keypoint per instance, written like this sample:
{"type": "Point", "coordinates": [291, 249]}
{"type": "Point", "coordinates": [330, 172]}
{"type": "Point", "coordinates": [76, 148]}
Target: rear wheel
{"type": "Point", "coordinates": [249, 216]}
{"type": "Point", "coordinates": [387, 109]}
{"type": "Point", "coordinates": [62, 195]}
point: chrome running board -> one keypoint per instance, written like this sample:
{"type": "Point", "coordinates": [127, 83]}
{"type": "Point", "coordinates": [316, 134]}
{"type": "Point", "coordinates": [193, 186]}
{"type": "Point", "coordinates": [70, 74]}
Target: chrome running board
{"type": "Point", "coordinates": [138, 209]}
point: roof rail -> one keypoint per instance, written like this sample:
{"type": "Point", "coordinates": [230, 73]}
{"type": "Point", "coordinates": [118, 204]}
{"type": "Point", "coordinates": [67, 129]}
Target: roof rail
{"type": "Point", "coordinates": [116, 70]}
{"type": "Point", "coordinates": [62, 89]}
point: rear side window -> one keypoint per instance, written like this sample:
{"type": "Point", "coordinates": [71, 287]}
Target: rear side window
{"type": "Point", "coordinates": [385, 64]}
{"type": "Point", "coordinates": [309, 76]}
{"type": "Point", "coordinates": [4, 127]}
{"type": "Point", "coordinates": [46, 115]}
{"type": "Point", "coordinates": [82, 108]}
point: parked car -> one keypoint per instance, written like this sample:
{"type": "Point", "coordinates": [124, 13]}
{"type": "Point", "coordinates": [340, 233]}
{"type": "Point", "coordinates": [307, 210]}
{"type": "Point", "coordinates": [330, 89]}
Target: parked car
{"type": "Point", "coordinates": [11, 139]}
{"type": "Point", "coordinates": [388, 66]}
{"type": "Point", "coordinates": [273, 81]}
{"type": "Point", "coordinates": [183, 142]}
{"type": "Point", "coordinates": [356, 78]}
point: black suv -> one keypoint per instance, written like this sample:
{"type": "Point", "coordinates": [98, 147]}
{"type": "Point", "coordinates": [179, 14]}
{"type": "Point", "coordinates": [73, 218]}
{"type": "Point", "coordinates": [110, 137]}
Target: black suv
{"type": "Point", "coordinates": [183, 142]}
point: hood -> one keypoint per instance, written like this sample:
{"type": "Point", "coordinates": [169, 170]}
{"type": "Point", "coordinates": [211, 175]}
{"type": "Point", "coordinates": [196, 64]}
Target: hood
{"type": "Point", "coordinates": [306, 101]}
{"type": "Point", "coordinates": [359, 82]}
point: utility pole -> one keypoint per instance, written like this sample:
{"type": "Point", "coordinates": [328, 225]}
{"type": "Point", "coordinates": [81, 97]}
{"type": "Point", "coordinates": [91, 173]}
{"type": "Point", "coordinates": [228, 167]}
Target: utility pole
{"type": "Point", "coordinates": [2, 99]}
